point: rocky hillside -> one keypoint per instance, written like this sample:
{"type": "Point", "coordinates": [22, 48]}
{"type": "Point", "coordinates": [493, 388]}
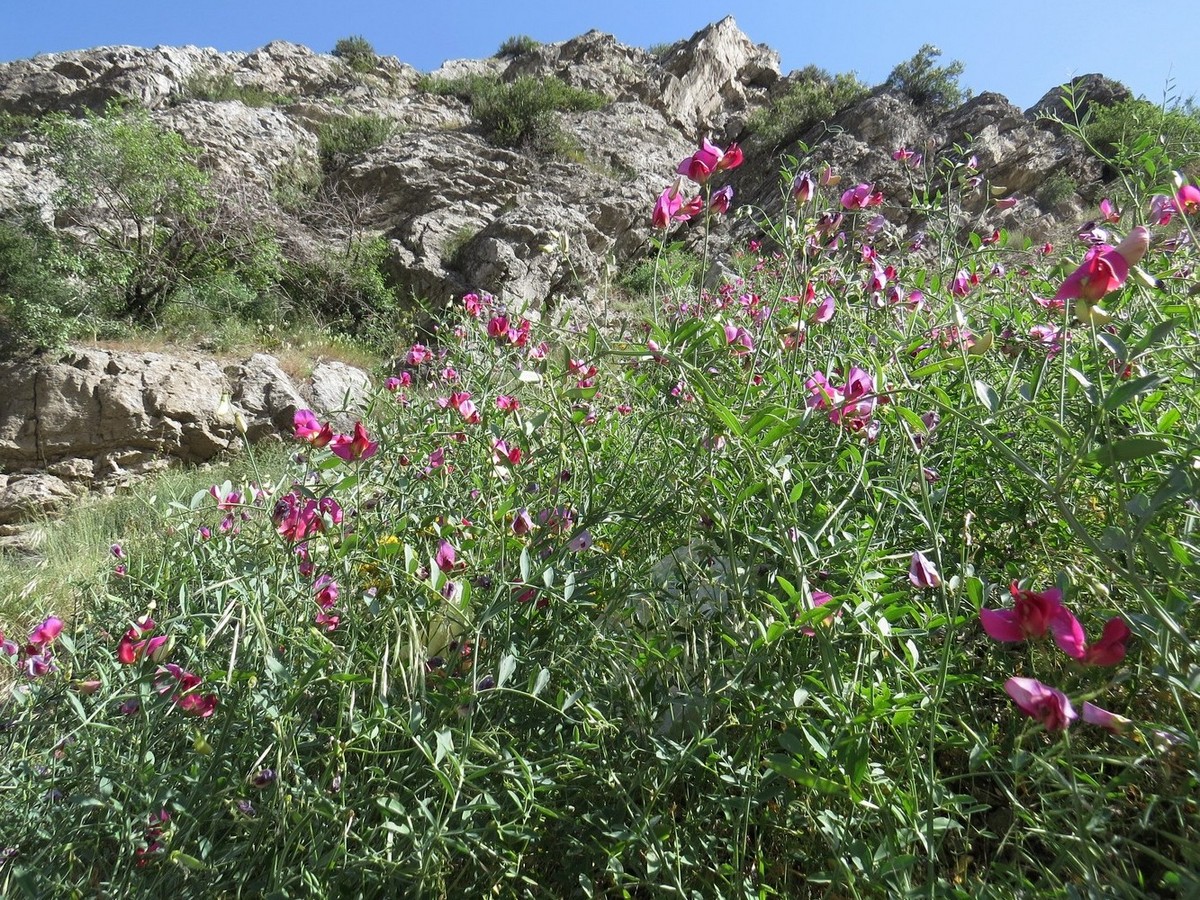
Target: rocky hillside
{"type": "Point", "coordinates": [460, 211]}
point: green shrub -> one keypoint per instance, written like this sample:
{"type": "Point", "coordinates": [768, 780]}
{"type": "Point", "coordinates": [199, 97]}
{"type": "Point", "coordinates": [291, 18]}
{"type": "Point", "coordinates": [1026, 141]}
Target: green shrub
{"type": "Point", "coordinates": [926, 84]}
{"type": "Point", "coordinates": [813, 95]}
{"type": "Point", "coordinates": [517, 45]}
{"type": "Point", "coordinates": [357, 52]}
{"type": "Point", "coordinates": [1055, 189]}
{"type": "Point", "coordinates": [15, 125]}
{"type": "Point", "coordinates": [1136, 134]}
{"type": "Point", "coordinates": [353, 135]}
{"type": "Point", "coordinates": [347, 290]}
{"type": "Point", "coordinates": [659, 51]}
{"type": "Point", "coordinates": [225, 87]}
{"type": "Point", "coordinates": [154, 224]}
{"type": "Point", "coordinates": [521, 113]}
{"type": "Point", "coordinates": [38, 306]}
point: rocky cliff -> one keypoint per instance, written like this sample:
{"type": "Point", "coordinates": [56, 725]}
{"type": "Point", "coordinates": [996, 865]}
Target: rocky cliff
{"type": "Point", "coordinates": [461, 213]}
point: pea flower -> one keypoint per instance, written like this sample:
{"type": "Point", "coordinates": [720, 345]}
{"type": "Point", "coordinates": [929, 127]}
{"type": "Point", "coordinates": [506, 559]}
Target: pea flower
{"type": "Point", "coordinates": [922, 573]}
{"type": "Point", "coordinates": [719, 204]}
{"type": "Point", "coordinates": [1095, 715]}
{"type": "Point", "coordinates": [1033, 615]}
{"type": "Point", "coordinates": [356, 447]}
{"type": "Point", "coordinates": [861, 196]}
{"type": "Point", "coordinates": [1038, 701]}
{"type": "Point", "coordinates": [307, 428]}
{"type": "Point", "coordinates": [1105, 268]}
{"type": "Point", "coordinates": [803, 187]}
{"type": "Point", "coordinates": [709, 159]}
{"type": "Point", "coordinates": [1110, 649]}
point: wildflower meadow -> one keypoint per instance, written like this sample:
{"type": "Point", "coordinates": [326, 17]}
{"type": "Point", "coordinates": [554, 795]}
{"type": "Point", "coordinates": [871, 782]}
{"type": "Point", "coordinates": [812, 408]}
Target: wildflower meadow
{"type": "Point", "coordinates": [869, 569]}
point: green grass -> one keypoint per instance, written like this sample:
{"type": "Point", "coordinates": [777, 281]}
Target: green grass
{"type": "Point", "coordinates": [73, 550]}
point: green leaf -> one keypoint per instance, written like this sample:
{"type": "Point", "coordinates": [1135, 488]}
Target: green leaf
{"type": "Point", "coordinates": [1127, 449]}
{"type": "Point", "coordinates": [1130, 389]}
{"type": "Point", "coordinates": [987, 396]}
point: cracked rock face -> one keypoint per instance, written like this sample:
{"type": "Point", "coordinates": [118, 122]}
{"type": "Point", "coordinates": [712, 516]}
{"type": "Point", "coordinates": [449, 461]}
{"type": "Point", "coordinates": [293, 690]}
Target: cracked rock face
{"type": "Point", "coordinates": [86, 418]}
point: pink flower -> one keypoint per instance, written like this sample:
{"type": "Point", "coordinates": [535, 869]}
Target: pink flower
{"type": "Point", "coordinates": [1095, 715]}
{"type": "Point", "coordinates": [1046, 704]}
{"type": "Point", "coordinates": [860, 197]}
{"type": "Point", "coordinates": [1187, 201]}
{"type": "Point", "coordinates": [962, 284]}
{"type": "Point", "coordinates": [505, 403]}
{"type": "Point", "coordinates": [803, 187]}
{"type": "Point", "coordinates": [502, 453]}
{"type": "Point", "coordinates": [325, 591]}
{"type": "Point", "coordinates": [1110, 649]}
{"type": "Point", "coordinates": [354, 448]}
{"type": "Point", "coordinates": [417, 354]}
{"type": "Point", "coordinates": [1006, 203]}
{"type": "Point", "coordinates": [135, 643]}
{"type": "Point", "coordinates": [1105, 268]}
{"type": "Point", "coordinates": [522, 522]}
{"type": "Point", "coordinates": [721, 199]}
{"type": "Point", "coordinates": [1108, 212]}
{"type": "Point", "coordinates": [732, 159]}
{"type": "Point", "coordinates": [819, 599]}
{"type": "Point", "coordinates": [1032, 615]}
{"type": "Point", "coordinates": [703, 162]}
{"type": "Point", "coordinates": [327, 619]}
{"type": "Point", "coordinates": [185, 695]}
{"type": "Point", "coordinates": [825, 310]}
{"type": "Point", "coordinates": [582, 541]}
{"type": "Point", "coordinates": [922, 573]}
{"type": "Point", "coordinates": [445, 557]}
{"type": "Point", "coordinates": [739, 336]}
{"type": "Point", "coordinates": [308, 428]}
{"type": "Point", "coordinates": [46, 633]}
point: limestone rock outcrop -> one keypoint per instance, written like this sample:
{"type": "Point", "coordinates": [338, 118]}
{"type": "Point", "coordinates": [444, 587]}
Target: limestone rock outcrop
{"type": "Point", "coordinates": [87, 418]}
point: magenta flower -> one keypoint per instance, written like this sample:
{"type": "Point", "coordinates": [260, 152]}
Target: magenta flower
{"type": "Point", "coordinates": [354, 448]}
{"type": "Point", "coordinates": [825, 310]}
{"type": "Point", "coordinates": [1032, 616]}
{"type": "Point", "coordinates": [183, 691]}
{"type": "Point", "coordinates": [325, 591]}
{"type": "Point", "coordinates": [503, 453]}
{"type": "Point", "coordinates": [582, 541]}
{"type": "Point", "coordinates": [719, 205]}
{"type": "Point", "coordinates": [522, 522]}
{"type": "Point", "coordinates": [417, 354]}
{"type": "Point", "coordinates": [327, 619]}
{"type": "Point", "coordinates": [803, 187]}
{"type": "Point", "coordinates": [1108, 212]}
{"type": "Point", "coordinates": [922, 573]}
{"type": "Point", "coordinates": [46, 633]}
{"type": "Point", "coordinates": [819, 599]}
{"type": "Point", "coordinates": [1095, 715]}
{"type": "Point", "coordinates": [861, 196]}
{"type": "Point", "coordinates": [1038, 701]}
{"type": "Point", "coordinates": [701, 164]}
{"type": "Point", "coordinates": [1110, 649]}
{"type": "Point", "coordinates": [1105, 268]}
{"type": "Point", "coordinates": [136, 644]}
{"type": "Point", "coordinates": [445, 557]}
{"type": "Point", "coordinates": [506, 403]}
{"type": "Point", "coordinates": [1187, 200]}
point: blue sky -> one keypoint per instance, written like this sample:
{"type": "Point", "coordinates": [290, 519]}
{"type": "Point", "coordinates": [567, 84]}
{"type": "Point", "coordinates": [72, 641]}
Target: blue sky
{"type": "Point", "coordinates": [1015, 47]}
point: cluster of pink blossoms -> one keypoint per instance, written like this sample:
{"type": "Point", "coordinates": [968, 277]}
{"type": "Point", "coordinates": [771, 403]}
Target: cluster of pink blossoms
{"type": "Point", "coordinates": [851, 405]}
{"type": "Point", "coordinates": [183, 686]}
{"type": "Point", "coordinates": [350, 447]}
{"type": "Point", "coordinates": [1033, 616]}
{"type": "Point", "coordinates": [297, 517]}
{"type": "Point", "coordinates": [699, 167]}
{"type": "Point", "coordinates": [36, 658]}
